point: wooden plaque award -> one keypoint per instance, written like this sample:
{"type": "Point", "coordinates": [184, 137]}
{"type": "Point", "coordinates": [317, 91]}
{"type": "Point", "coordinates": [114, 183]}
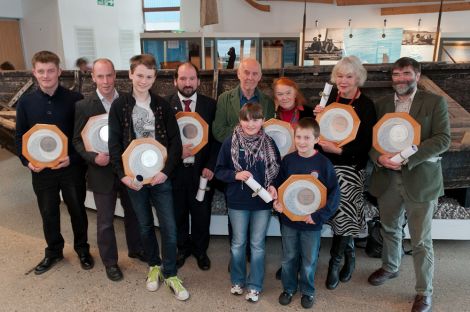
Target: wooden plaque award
{"type": "Point", "coordinates": [193, 129]}
{"type": "Point", "coordinates": [395, 132]}
{"type": "Point", "coordinates": [282, 134]}
{"type": "Point", "coordinates": [95, 134]}
{"type": "Point", "coordinates": [338, 123]}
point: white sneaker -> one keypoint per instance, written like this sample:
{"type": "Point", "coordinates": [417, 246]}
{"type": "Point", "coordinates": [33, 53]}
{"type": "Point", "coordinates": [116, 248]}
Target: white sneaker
{"type": "Point", "coordinates": [236, 290]}
{"type": "Point", "coordinates": [154, 277]}
{"type": "Point", "coordinates": [252, 296]}
{"type": "Point", "coordinates": [176, 285]}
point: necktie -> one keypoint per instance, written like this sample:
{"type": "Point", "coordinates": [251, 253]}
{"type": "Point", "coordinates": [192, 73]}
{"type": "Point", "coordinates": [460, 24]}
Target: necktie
{"type": "Point", "coordinates": [186, 105]}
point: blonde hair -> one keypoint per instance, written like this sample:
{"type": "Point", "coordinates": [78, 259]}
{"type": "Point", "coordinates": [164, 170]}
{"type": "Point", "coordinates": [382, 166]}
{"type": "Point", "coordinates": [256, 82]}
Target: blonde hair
{"type": "Point", "coordinates": [350, 64]}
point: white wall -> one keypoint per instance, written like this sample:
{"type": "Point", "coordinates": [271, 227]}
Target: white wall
{"type": "Point", "coordinates": [40, 28]}
{"type": "Point", "coordinates": [106, 22]}
{"type": "Point", "coordinates": [286, 17]}
{"type": "Point", "coordinates": [10, 9]}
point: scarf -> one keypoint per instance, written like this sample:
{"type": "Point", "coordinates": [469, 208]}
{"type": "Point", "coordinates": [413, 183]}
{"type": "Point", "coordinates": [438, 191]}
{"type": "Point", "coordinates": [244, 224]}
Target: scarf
{"type": "Point", "coordinates": [257, 147]}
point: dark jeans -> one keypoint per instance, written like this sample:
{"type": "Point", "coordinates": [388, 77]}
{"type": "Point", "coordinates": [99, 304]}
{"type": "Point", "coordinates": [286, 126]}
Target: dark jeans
{"type": "Point", "coordinates": [106, 237]}
{"type": "Point", "coordinates": [71, 182]}
{"type": "Point", "coordinates": [161, 197]}
{"type": "Point", "coordinates": [299, 248]}
{"type": "Point", "coordinates": [185, 202]}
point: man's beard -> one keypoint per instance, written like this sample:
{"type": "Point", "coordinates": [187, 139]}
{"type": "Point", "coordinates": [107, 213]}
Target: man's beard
{"type": "Point", "coordinates": [187, 92]}
{"type": "Point", "coordinates": [405, 90]}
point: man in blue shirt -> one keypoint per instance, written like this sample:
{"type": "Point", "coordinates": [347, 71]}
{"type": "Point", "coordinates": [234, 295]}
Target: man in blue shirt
{"type": "Point", "coordinates": [54, 104]}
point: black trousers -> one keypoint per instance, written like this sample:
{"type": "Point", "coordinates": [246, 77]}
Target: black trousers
{"type": "Point", "coordinates": [106, 236]}
{"type": "Point", "coordinates": [71, 182]}
{"type": "Point", "coordinates": [184, 199]}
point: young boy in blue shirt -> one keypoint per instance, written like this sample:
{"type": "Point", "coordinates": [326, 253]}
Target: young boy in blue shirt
{"type": "Point", "coordinates": [301, 239]}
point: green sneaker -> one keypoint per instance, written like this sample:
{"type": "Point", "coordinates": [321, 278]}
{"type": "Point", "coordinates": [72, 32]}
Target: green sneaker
{"type": "Point", "coordinates": [176, 285]}
{"type": "Point", "coordinates": [154, 277]}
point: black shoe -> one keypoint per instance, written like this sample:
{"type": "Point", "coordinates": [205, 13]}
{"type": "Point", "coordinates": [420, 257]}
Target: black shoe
{"type": "Point", "coordinates": [181, 259]}
{"type": "Point", "coordinates": [46, 264]}
{"type": "Point", "coordinates": [422, 304]}
{"type": "Point", "coordinates": [307, 301]}
{"type": "Point", "coordinates": [285, 298]}
{"type": "Point", "coordinates": [113, 272]}
{"type": "Point", "coordinates": [203, 262]}
{"type": "Point", "coordinates": [138, 255]}
{"type": "Point", "coordinates": [279, 274]}
{"type": "Point", "coordinates": [86, 261]}
{"type": "Point", "coordinates": [380, 276]}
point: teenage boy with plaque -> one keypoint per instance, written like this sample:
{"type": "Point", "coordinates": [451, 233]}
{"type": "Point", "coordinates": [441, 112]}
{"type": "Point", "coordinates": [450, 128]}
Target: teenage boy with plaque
{"type": "Point", "coordinates": [412, 185]}
{"type": "Point", "coordinates": [186, 178]}
{"type": "Point", "coordinates": [301, 239]}
{"type": "Point", "coordinates": [53, 104]}
{"type": "Point", "coordinates": [142, 114]}
{"type": "Point", "coordinates": [101, 179]}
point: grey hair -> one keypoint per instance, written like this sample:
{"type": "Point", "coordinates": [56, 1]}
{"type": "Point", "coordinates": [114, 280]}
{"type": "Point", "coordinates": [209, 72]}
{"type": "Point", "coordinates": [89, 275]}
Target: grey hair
{"type": "Point", "coordinates": [350, 64]}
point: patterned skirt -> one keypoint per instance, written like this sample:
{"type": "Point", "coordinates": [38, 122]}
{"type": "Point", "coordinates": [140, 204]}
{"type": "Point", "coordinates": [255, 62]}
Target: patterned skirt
{"type": "Point", "coordinates": [349, 219]}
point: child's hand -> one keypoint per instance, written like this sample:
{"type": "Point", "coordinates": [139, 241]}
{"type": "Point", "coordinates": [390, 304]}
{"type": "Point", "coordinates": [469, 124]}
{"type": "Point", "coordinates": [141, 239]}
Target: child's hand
{"type": "Point", "coordinates": [277, 205]}
{"type": "Point", "coordinates": [272, 191]}
{"type": "Point", "coordinates": [243, 175]}
{"type": "Point", "coordinates": [308, 219]}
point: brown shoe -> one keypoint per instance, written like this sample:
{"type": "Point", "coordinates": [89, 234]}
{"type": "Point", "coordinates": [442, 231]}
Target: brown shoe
{"type": "Point", "coordinates": [422, 304]}
{"type": "Point", "coordinates": [381, 276]}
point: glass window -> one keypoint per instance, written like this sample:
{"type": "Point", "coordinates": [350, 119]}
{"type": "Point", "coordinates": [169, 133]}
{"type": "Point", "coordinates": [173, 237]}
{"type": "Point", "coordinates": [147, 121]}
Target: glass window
{"type": "Point", "coordinates": [277, 53]}
{"type": "Point", "coordinates": [455, 50]}
{"type": "Point", "coordinates": [161, 15]}
{"type": "Point", "coordinates": [231, 51]}
{"type": "Point", "coordinates": [169, 53]}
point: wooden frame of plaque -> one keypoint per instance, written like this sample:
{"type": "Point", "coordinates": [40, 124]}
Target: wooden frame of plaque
{"type": "Point", "coordinates": [88, 127]}
{"type": "Point", "coordinates": [307, 178]}
{"type": "Point", "coordinates": [35, 160]}
{"type": "Point", "coordinates": [375, 132]}
{"type": "Point", "coordinates": [355, 123]}
{"type": "Point", "coordinates": [285, 125]}
{"type": "Point", "coordinates": [205, 129]}
{"type": "Point", "coordinates": [126, 156]}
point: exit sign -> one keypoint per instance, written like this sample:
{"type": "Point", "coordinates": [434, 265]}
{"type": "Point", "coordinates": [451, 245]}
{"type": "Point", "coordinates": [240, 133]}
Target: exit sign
{"type": "Point", "coordinates": [105, 2]}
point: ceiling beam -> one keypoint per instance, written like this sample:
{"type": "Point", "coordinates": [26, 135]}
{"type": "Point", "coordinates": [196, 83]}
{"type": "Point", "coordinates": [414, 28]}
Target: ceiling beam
{"type": "Point", "coordinates": [308, 1]}
{"type": "Point", "coordinates": [367, 2]}
{"type": "Point", "coordinates": [259, 6]}
{"type": "Point", "coordinates": [432, 8]}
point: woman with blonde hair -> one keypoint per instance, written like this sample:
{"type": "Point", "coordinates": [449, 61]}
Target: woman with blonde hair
{"type": "Point", "coordinates": [349, 161]}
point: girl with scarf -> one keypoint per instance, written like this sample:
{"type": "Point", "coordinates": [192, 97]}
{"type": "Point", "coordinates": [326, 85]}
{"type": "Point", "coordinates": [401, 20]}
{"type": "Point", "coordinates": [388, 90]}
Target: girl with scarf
{"type": "Point", "coordinates": [248, 153]}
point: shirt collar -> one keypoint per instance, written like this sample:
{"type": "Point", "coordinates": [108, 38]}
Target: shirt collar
{"type": "Point", "coordinates": [102, 98]}
{"type": "Point", "coordinates": [412, 96]}
{"type": "Point", "coordinates": [193, 97]}
{"type": "Point", "coordinates": [254, 98]}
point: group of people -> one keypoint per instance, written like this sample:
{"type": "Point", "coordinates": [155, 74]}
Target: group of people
{"type": "Point", "coordinates": [238, 149]}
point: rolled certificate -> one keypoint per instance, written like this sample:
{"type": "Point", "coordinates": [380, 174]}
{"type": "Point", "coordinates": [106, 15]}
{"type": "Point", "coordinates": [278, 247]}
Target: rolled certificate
{"type": "Point", "coordinates": [188, 160]}
{"type": "Point", "coordinates": [258, 190]}
{"type": "Point", "coordinates": [202, 189]}
{"type": "Point", "coordinates": [325, 94]}
{"type": "Point", "coordinates": [404, 154]}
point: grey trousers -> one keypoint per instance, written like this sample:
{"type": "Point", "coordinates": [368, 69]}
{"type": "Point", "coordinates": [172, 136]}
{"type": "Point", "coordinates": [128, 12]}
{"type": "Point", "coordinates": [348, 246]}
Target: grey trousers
{"type": "Point", "coordinates": [392, 205]}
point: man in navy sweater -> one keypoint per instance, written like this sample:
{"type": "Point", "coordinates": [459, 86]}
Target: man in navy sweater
{"type": "Point", "coordinates": [54, 104]}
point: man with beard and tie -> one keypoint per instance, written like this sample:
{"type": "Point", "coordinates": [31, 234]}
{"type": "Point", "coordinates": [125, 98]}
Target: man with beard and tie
{"type": "Point", "coordinates": [186, 177]}
{"type": "Point", "coordinates": [413, 185]}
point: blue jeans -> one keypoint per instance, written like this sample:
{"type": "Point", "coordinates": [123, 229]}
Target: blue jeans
{"type": "Point", "coordinates": [257, 221]}
{"type": "Point", "coordinates": [161, 197]}
{"type": "Point", "coordinates": [304, 246]}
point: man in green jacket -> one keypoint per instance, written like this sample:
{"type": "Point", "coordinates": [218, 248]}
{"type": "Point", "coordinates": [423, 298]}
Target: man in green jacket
{"type": "Point", "coordinates": [229, 103]}
{"type": "Point", "coordinates": [412, 185]}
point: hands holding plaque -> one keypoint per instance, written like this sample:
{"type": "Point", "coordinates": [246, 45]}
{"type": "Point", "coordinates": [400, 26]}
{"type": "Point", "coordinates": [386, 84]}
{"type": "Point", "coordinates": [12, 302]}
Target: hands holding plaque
{"type": "Point", "coordinates": [338, 124]}
{"type": "Point", "coordinates": [300, 196]}
{"type": "Point", "coordinates": [193, 129]}
{"type": "Point", "coordinates": [145, 157]}
{"type": "Point", "coordinates": [45, 145]}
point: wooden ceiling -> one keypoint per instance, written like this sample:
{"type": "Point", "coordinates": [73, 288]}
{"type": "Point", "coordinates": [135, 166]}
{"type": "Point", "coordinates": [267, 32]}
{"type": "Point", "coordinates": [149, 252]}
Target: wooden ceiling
{"type": "Point", "coordinates": [433, 7]}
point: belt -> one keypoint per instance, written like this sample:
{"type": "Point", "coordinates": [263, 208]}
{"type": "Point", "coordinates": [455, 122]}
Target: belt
{"type": "Point", "coordinates": [187, 165]}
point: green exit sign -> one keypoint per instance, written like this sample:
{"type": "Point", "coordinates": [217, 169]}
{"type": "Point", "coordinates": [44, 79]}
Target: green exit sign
{"type": "Point", "coordinates": [105, 2]}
